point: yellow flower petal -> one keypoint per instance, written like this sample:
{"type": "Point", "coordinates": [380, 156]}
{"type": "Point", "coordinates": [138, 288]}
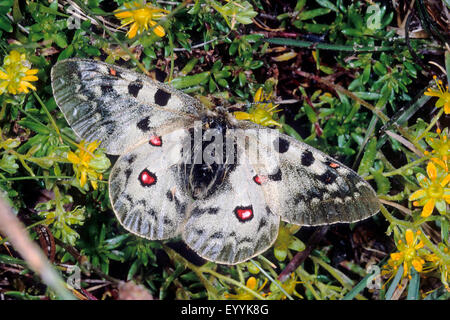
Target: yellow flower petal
{"type": "Point", "coordinates": [409, 236]}
{"type": "Point", "coordinates": [242, 115]}
{"type": "Point", "coordinates": [251, 283]}
{"type": "Point", "coordinates": [428, 208]}
{"type": "Point", "coordinates": [396, 256]}
{"type": "Point", "coordinates": [72, 157]}
{"type": "Point", "coordinates": [159, 31]}
{"type": "Point", "coordinates": [133, 30]}
{"type": "Point", "coordinates": [124, 14]}
{"type": "Point", "coordinates": [445, 181]}
{"type": "Point", "coordinates": [30, 78]}
{"type": "Point", "coordinates": [83, 178]}
{"type": "Point", "coordinates": [417, 264]}
{"type": "Point", "coordinates": [419, 245]}
{"type": "Point", "coordinates": [258, 95]}
{"type": "Point", "coordinates": [431, 171]}
{"type": "Point", "coordinates": [417, 195]}
{"type": "Point", "coordinates": [31, 71]}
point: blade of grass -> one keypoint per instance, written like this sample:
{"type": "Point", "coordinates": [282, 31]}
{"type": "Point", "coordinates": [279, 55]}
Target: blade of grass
{"type": "Point", "coordinates": [394, 283]}
{"type": "Point", "coordinates": [414, 285]}
{"type": "Point", "coordinates": [325, 46]}
{"type": "Point", "coordinates": [357, 289]}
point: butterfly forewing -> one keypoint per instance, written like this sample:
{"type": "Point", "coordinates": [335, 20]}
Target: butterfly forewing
{"type": "Point", "coordinates": [117, 106]}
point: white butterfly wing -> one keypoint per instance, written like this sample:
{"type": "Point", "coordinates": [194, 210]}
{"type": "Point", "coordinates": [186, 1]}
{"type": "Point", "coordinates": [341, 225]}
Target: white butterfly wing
{"type": "Point", "coordinates": [117, 106]}
{"type": "Point", "coordinates": [146, 190]}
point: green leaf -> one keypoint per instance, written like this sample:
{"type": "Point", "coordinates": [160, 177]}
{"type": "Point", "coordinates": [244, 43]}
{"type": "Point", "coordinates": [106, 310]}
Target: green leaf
{"type": "Point", "coordinates": [5, 6]}
{"type": "Point", "coordinates": [310, 14]}
{"type": "Point", "coordinates": [357, 289]}
{"type": "Point", "coordinates": [300, 4]}
{"type": "Point", "coordinates": [414, 286]}
{"type": "Point", "coordinates": [35, 126]}
{"type": "Point", "coordinates": [5, 24]}
{"type": "Point", "coordinates": [394, 283]}
{"type": "Point", "coordinates": [242, 79]}
{"type": "Point", "coordinates": [190, 81]}
{"type": "Point", "coordinates": [327, 4]}
{"type": "Point", "coordinates": [383, 183]}
{"type": "Point", "coordinates": [8, 163]}
{"type": "Point", "coordinates": [189, 66]}
{"type": "Point", "coordinates": [368, 158]}
{"type": "Point", "coordinates": [297, 244]}
{"type": "Point", "coordinates": [133, 269]}
{"type": "Point", "coordinates": [66, 53]}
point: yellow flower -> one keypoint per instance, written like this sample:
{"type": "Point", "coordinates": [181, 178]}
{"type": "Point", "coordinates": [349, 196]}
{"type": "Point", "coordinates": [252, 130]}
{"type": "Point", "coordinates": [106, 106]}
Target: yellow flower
{"type": "Point", "coordinates": [437, 263]}
{"type": "Point", "coordinates": [441, 148]}
{"type": "Point", "coordinates": [262, 113]}
{"type": "Point", "coordinates": [410, 254]}
{"type": "Point", "coordinates": [88, 163]}
{"type": "Point", "coordinates": [288, 286]}
{"type": "Point", "coordinates": [443, 95]}
{"type": "Point", "coordinates": [140, 15]}
{"type": "Point", "coordinates": [286, 240]}
{"type": "Point", "coordinates": [433, 193]}
{"type": "Point", "coordinates": [15, 75]}
{"type": "Point", "coordinates": [252, 284]}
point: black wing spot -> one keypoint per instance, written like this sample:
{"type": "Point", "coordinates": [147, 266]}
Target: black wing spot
{"type": "Point", "coordinates": [131, 158]}
{"type": "Point", "coordinates": [327, 177]}
{"type": "Point", "coordinates": [162, 97]}
{"type": "Point", "coordinates": [262, 223]}
{"type": "Point", "coordinates": [277, 176]}
{"type": "Point", "coordinates": [169, 195]}
{"type": "Point", "coordinates": [134, 87]}
{"type": "Point", "coordinates": [281, 145]}
{"type": "Point", "coordinates": [217, 235]}
{"type": "Point", "coordinates": [144, 124]}
{"type": "Point", "coordinates": [127, 175]}
{"type": "Point", "coordinates": [199, 212]}
{"type": "Point", "coordinates": [106, 89]}
{"type": "Point", "coordinates": [307, 158]}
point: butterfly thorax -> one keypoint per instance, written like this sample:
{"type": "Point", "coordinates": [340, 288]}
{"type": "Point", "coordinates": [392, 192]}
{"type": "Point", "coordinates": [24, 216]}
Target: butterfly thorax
{"type": "Point", "coordinates": [207, 164]}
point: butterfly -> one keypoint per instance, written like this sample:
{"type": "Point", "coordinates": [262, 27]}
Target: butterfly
{"type": "Point", "coordinates": [171, 179]}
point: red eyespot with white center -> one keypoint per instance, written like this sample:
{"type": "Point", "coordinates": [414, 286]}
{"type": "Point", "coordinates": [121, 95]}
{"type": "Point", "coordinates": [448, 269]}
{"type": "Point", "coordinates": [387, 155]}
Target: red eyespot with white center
{"type": "Point", "coordinates": [146, 178]}
{"type": "Point", "coordinates": [244, 214]}
{"type": "Point", "coordinates": [155, 141]}
{"type": "Point", "coordinates": [260, 179]}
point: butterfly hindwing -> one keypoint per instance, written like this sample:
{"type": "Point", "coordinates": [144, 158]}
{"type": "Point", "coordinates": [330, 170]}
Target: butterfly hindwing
{"type": "Point", "coordinates": [146, 191]}
{"type": "Point", "coordinates": [234, 223]}
{"type": "Point", "coordinates": [307, 187]}
{"type": "Point", "coordinates": [115, 105]}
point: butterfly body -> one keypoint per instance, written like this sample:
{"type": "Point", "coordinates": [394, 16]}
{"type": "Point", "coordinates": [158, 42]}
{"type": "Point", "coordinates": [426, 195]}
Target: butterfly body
{"type": "Point", "coordinates": [221, 184]}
